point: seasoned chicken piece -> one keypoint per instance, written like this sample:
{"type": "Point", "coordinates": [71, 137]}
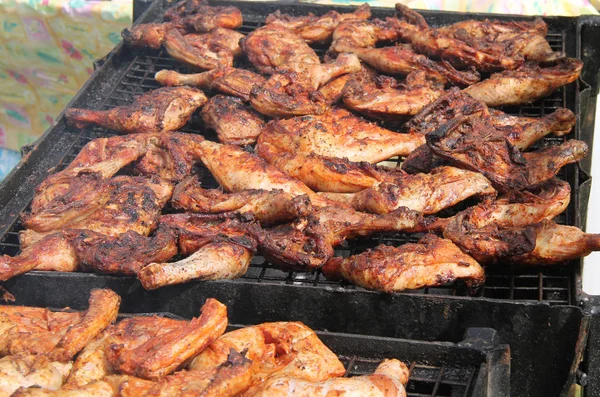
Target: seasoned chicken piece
{"type": "Point", "coordinates": [230, 81]}
{"type": "Point", "coordinates": [153, 347]}
{"type": "Point", "coordinates": [96, 389]}
{"type": "Point", "coordinates": [162, 110]}
{"type": "Point", "coordinates": [214, 261]}
{"type": "Point", "coordinates": [91, 364]}
{"type": "Point", "coordinates": [272, 46]}
{"type": "Point", "coordinates": [425, 193]}
{"type": "Point", "coordinates": [521, 132]}
{"type": "Point", "coordinates": [438, 44]}
{"type": "Point", "coordinates": [150, 35]}
{"type": "Point", "coordinates": [400, 59]}
{"type": "Point", "coordinates": [513, 38]}
{"type": "Point", "coordinates": [274, 349]}
{"type": "Point", "coordinates": [431, 262]}
{"type": "Point", "coordinates": [58, 336]}
{"type": "Point", "coordinates": [198, 16]}
{"type": "Point", "coordinates": [213, 50]}
{"type": "Point", "coordinates": [313, 28]}
{"type": "Point", "coordinates": [118, 205]}
{"type": "Point", "coordinates": [526, 84]}
{"type": "Point", "coordinates": [234, 122]}
{"type": "Point", "coordinates": [236, 170]}
{"type": "Point", "coordinates": [387, 381]}
{"type": "Point", "coordinates": [500, 229]}
{"type": "Point", "coordinates": [31, 371]}
{"type": "Point", "coordinates": [363, 33]}
{"type": "Point", "coordinates": [266, 206]}
{"type": "Point", "coordinates": [473, 144]}
{"type": "Point", "coordinates": [337, 133]}
{"type": "Point", "coordinates": [293, 92]}
{"type": "Point", "coordinates": [332, 91]}
{"type": "Point", "coordinates": [385, 98]}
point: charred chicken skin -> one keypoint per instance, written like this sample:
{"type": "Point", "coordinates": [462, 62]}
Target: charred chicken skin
{"type": "Point", "coordinates": [198, 16]}
{"type": "Point", "coordinates": [431, 262]}
{"type": "Point", "coordinates": [234, 122]}
{"type": "Point", "coordinates": [314, 28]}
{"type": "Point", "coordinates": [163, 110]}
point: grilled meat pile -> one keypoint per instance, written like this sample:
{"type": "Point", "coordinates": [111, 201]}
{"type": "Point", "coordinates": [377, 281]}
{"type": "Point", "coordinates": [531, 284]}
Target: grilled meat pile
{"type": "Point", "coordinates": [70, 353]}
{"type": "Point", "coordinates": [299, 167]}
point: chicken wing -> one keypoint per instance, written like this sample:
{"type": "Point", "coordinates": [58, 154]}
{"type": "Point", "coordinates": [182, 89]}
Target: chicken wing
{"type": "Point", "coordinates": [162, 110]}
{"type": "Point", "coordinates": [234, 122]}
{"type": "Point", "coordinates": [293, 91]}
{"type": "Point", "coordinates": [212, 50]}
{"type": "Point", "coordinates": [153, 347]}
{"type": "Point", "coordinates": [526, 84]}
{"type": "Point", "coordinates": [431, 262]}
{"type": "Point", "coordinates": [150, 35]}
{"type": "Point", "coordinates": [473, 144]}
{"type": "Point", "coordinates": [23, 371]}
{"type": "Point", "coordinates": [220, 260]}
{"type": "Point", "coordinates": [313, 28]}
{"type": "Point", "coordinates": [400, 59]}
{"type": "Point", "coordinates": [426, 193]}
{"type": "Point", "coordinates": [385, 98]}
{"type": "Point", "coordinates": [272, 46]}
{"type": "Point", "coordinates": [387, 381]}
{"type": "Point", "coordinates": [59, 336]}
{"type": "Point", "coordinates": [274, 349]}
{"type": "Point", "coordinates": [266, 206]}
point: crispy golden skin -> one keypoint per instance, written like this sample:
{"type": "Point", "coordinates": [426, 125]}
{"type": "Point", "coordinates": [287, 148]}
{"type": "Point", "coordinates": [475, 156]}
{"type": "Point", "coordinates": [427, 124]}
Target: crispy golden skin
{"type": "Point", "coordinates": [385, 98]}
{"type": "Point", "coordinates": [274, 349]}
{"type": "Point", "coordinates": [266, 206]}
{"type": "Point", "coordinates": [314, 28]}
{"type": "Point", "coordinates": [161, 110]}
{"type": "Point", "coordinates": [387, 381]}
{"type": "Point", "coordinates": [473, 144]}
{"type": "Point", "coordinates": [57, 335]}
{"type": "Point", "coordinates": [153, 347]}
{"type": "Point", "coordinates": [234, 122]}
{"type": "Point", "coordinates": [526, 84]}
{"type": "Point", "coordinates": [431, 262]}
{"type": "Point", "coordinates": [427, 193]}
{"type": "Point", "coordinates": [230, 81]}
{"type": "Point", "coordinates": [272, 46]}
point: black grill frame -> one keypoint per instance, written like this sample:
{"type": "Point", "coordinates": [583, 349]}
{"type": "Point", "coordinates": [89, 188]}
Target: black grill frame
{"type": "Point", "coordinates": [509, 293]}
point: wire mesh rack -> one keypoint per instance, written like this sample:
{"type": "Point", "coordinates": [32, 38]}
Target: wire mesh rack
{"type": "Point", "coordinates": [553, 285]}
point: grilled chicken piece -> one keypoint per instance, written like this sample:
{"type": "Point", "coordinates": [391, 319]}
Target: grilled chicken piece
{"type": "Point", "coordinates": [425, 193]}
{"type": "Point", "coordinates": [337, 133]}
{"type": "Point", "coordinates": [153, 347]}
{"type": "Point", "coordinates": [293, 91]}
{"type": "Point", "coordinates": [387, 381]}
{"type": "Point", "coordinates": [272, 46]}
{"type": "Point", "coordinates": [521, 132]}
{"type": "Point", "coordinates": [513, 39]}
{"type": "Point", "coordinates": [385, 98]}
{"type": "Point", "coordinates": [473, 144]}
{"type": "Point", "coordinates": [198, 16]}
{"type": "Point", "coordinates": [431, 262]}
{"type": "Point", "coordinates": [237, 170]}
{"type": "Point", "coordinates": [400, 59]}
{"type": "Point", "coordinates": [214, 261]}
{"type": "Point", "coordinates": [526, 84]}
{"type": "Point", "coordinates": [213, 50]}
{"type": "Point", "coordinates": [314, 28]}
{"type": "Point", "coordinates": [274, 349]}
{"type": "Point", "coordinates": [162, 110]}
{"type": "Point", "coordinates": [332, 91]}
{"type": "Point", "coordinates": [441, 45]}
{"type": "Point", "coordinates": [230, 81]}
{"type": "Point", "coordinates": [96, 389]}
{"type": "Point", "coordinates": [266, 206]}
{"type": "Point", "coordinates": [363, 33]}
{"type": "Point", "coordinates": [24, 371]}
{"type": "Point", "coordinates": [118, 205]}
{"type": "Point", "coordinates": [59, 336]}
{"type": "Point", "coordinates": [146, 35]}
{"type": "Point", "coordinates": [234, 122]}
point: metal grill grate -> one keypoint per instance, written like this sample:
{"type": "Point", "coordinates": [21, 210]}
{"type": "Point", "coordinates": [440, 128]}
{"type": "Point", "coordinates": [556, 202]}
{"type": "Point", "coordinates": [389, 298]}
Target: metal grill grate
{"type": "Point", "coordinates": [424, 381]}
{"type": "Point", "coordinates": [552, 285]}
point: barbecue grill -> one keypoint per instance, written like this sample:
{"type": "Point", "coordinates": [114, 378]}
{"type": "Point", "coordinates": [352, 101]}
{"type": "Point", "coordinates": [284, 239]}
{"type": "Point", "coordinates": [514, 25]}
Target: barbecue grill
{"type": "Point", "coordinates": [541, 312]}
